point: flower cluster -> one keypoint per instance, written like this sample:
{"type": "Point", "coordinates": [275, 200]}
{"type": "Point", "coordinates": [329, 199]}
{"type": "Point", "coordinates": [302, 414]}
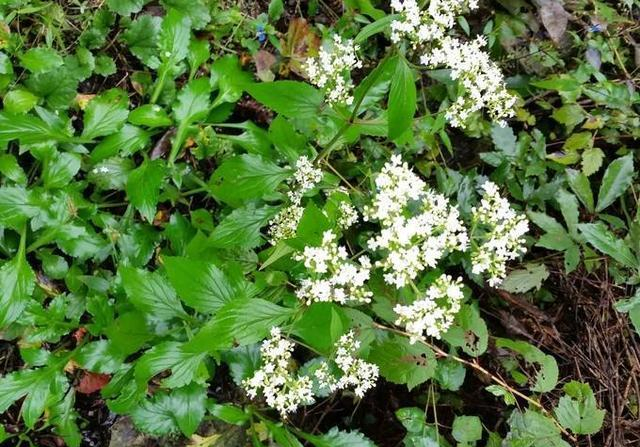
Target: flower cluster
{"type": "Point", "coordinates": [433, 314]}
{"type": "Point", "coordinates": [334, 277]}
{"type": "Point", "coordinates": [431, 25]}
{"type": "Point", "coordinates": [480, 77]}
{"type": "Point", "coordinates": [282, 390]}
{"type": "Point", "coordinates": [502, 230]}
{"type": "Point", "coordinates": [347, 215]}
{"type": "Point", "coordinates": [331, 70]}
{"type": "Point", "coordinates": [356, 373]}
{"type": "Point", "coordinates": [418, 225]}
{"type": "Point", "coordinates": [285, 224]}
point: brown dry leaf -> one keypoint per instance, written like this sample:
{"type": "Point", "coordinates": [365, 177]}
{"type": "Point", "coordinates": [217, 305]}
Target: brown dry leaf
{"type": "Point", "coordinates": [92, 382]}
{"type": "Point", "coordinates": [298, 44]}
{"type": "Point", "coordinates": [553, 17]}
{"type": "Point", "coordinates": [264, 61]}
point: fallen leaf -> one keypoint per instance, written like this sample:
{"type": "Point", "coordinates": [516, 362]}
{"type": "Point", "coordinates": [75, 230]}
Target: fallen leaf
{"type": "Point", "coordinates": [553, 17]}
{"type": "Point", "coordinates": [264, 61]}
{"type": "Point", "coordinates": [92, 382]}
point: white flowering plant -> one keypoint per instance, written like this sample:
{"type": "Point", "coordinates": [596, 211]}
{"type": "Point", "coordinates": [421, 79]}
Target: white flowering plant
{"type": "Point", "coordinates": [270, 230]}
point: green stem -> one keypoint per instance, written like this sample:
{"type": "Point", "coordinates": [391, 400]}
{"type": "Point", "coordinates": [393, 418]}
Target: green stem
{"type": "Point", "coordinates": [159, 85]}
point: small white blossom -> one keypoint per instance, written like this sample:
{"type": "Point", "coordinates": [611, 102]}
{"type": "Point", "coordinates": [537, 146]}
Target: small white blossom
{"type": "Point", "coordinates": [501, 231]}
{"type": "Point", "coordinates": [418, 226]}
{"type": "Point", "coordinates": [331, 70]}
{"type": "Point", "coordinates": [355, 372]}
{"type": "Point", "coordinates": [285, 224]}
{"type": "Point", "coordinates": [101, 170]}
{"type": "Point", "coordinates": [282, 389]}
{"type": "Point", "coordinates": [347, 215]}
{"type": "Point", "coordinates": [481, 78]}
{"type": "Point", "coordinates": [434, 313]}
{"type": "Point", "coordinates": [334, 278]}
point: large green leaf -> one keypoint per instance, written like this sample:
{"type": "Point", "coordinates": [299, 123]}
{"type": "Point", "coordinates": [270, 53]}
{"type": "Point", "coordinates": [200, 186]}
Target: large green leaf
{"type": "Point", "coordinates": [143, 187]}
{"type": "Point", "coordinates": [240, 322]}
{"type": "Point", "coordinates": [175, 33]}
{"type": "Point", "coordinates": [605, 241]}
{"type": "Point", "coordinates": [105, 114]}
{"type": "Point", "coordinates": [402, 99]}
{"type": "Point", "coordinates": [617, 178]}
{"type": "Point", "coordinates": [532, 429]}
{"type": "Point", "coordinates": [546, 377]}
{"type": "Point", "coordinates": [29, 129]}
{"type": "Point", "coordinates": [577, 410]}
{"type": "Point", "coordinates": [141, 37]}
{"type": "Point", "coordinates": [186, 366]}
{"type": "Point", "coordinates": [292, 99]}
{"type": "Point", "coordinates": [321, 325]}
{"type": "Point", "coordinates": [201, 285]}
{"type": "Point", "coordinates": [150, 292]}
{"type": "Point", "coordinates": [241, 228]}
{"type": "Point", "coordinates": [246, 177]}
{"type": "Point", "coordinates": [17, 205]}
{"type": "Point", "coordinates": [17, 282]}
{"type": "Point", "coordinates": [403, 363]}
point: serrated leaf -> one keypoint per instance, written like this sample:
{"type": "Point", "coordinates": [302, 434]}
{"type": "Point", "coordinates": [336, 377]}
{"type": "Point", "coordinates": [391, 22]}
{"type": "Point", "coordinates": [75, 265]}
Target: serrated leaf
{"type": "Point", "coordinates": [580, 185]}
{"type": "Point", "coordinates": [186, 366]}
{"type": "Point", "coordinates": [19, 101]}
{"type": "Point", "coordinates": [531, 429]}
{"type": "Point", "coordinates": [241, 228]}
{"type": "Point", "coordinates": [616, 180]}
{"type": "Point", "coordinates": [201, 285]}
{"type": "Point", "coordinates": [321, 325]}
{"type": "Point", "coordinates": [522, 280]}
{"type": "Point", "coordinates": [592, 160]}
{"type": "Point", "coordinates": [246, 177]}
{"type": "Point", "coordinates": [403, 363]}
{"type": "Point", "coordinates": [60, 169]}
{"type": "Point", "coordinates": [105, 114]}
{"type": "Point", "coordinates": [150, 292]}
{"type": "Point", "coordinates": [29, 129]}
{"type": "Point", "coordinates": [338, 438]}
{"type": "Point", "coordinates": [141, 37]}
{"type": "Point", "coordinates": [578, 411]}
{"type": "Point", "coordinates": [41, 59]}
{"type": "Point", "coordinates": [402, 99]}
{"type": "Point", "coordinates": [126, 7]}
{"type": "Point", "coordinates": [143, 187]}
{"type": "Point", "coordinates": [467, 429]}
{"type": "Point", "coordinates": [547, 369]}
{"type": "Point", "coordinates": [175, 33]}
{"type": "Point", "coordinates": [17, 282]}
{"type": "Point", "coordinates": [602, 239]}
{"type": "Point", "coordinates": [292, 99]}
{"type": "Point", "coordinates": [180, 410]}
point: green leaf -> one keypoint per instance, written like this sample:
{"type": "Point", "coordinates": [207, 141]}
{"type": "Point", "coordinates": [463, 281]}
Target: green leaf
{"type": "Point", "coordinates": [193, 101]}
{"type": "Point", "coordinates": [617, 179]}
{"type": "Point", "coordinates": [605, 241]}
{"type": "Point", "coordinates": [569, 208]}
{"type": "Point", "coordinates": [175, 33]}
{"type": "Point", "coordinates": [240, 322]}
{"type": "Point", "coordinates": [126, 7]}
{"type": "Point", "coordinates": [151, 293]}
{"type": "Point", "coordinates": [467, 429]}
{"type": "Point", "coordinates": [143, 187]}
{"type": "Point", "coordinates": [105, 66]}
{"type": "Point", "coordinates": [29, 129]}
{"type": "Point", "coordinates": [19, 101]}
{"type": "Point", "coordinates": [547, 375]}
{"type": "Point", "coordinates": [17, 205]}
{"type": "Point", "coordinates": [186, 366]}
{"type": "Point", "coordinates": [201, 285]}
{"type": "Point", "coordinates": [532, 429]}
{"type": "Point", "coordinates": [374, 28]}
{"type": "Point", "coordinates": [181, 410]}
{"type": "Point", "coordinates": [10, 169]}
{"type": "Point", "coordinates": [105, 114]}
{"type": "Point", "coordinates": [580, 185]}
{"type": "Point", "coordinates": [338, 438]}
{"type": "Point", "coordinates": [229, 413]}
{"type": "Point", "coordinates": [292, 99]}
{"type": "Point", "coordinates": [141, 38]}
{"type": "Point", "coordinates": [60, 169]}
{"type": "Point", "coordinates": [125, 142]}
{"type": "Point", "coordinates": [592, 160]}
{"type": "Point", "coordinates": [63, 416]}
{"type": "Point", "coordinates": [470, 333]}
{"type": "Point", "coordinates": [504, 139]}
{"type": "Point", "coordinates": [403, 363]}
{"type": "Point", "coordinates": [321, 325]}
{"type": "Point", "coordinates": [402, 99]}
{"type": "Point", "coordinates": [578, 141]}
{"type": "Point", "coordinates": [578, 410]}
{"type": "Point", "coordinates": [246, 177]}
{"type": "Point", "coordinates": [522, 280]}
{"type": "Point", "coordinates": [241, 228]}
{"type": "Point", "coordinates": [150, 115]}
{"type": "Point", "coordinates": [228, 77]}
{"type": "Point", "coordinates": [17, 282]}
{"type": "Point", "coordinates": [276, 8]}
{"type": "Point", "coordinates": [41, 59]}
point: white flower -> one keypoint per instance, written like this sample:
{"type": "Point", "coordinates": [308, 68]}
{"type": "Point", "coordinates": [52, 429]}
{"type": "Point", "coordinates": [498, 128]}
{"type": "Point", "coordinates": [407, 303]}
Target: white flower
{"type": "Point", "coordinates": [331, 70]}
{"type": "Point", "coordinates": [418, 226]}
{"type": "Point", "coordinates": [282, 389]}
{"type": "Point", "coordinates": [500, 230]}
{"type": "Point", "coordinates": [356, 373]}
{"type": "Point", "coordinates": [101, 170]}
{"type": "Point", "coordinates": [347, 215]}
{"type": "Point", "coordinates": [333, 277]}
{"type": "Point", "coordinates": [433, 314]}
{"type": "Point", "coordinates": [480, 77]}
{"type": "Point", "coordinates": [285, 224]}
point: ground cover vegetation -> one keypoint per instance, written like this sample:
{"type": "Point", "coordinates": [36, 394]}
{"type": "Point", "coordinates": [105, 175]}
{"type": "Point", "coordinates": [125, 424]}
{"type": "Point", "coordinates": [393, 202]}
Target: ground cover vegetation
{"type": "Point", "coordinates": [319, 223]}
